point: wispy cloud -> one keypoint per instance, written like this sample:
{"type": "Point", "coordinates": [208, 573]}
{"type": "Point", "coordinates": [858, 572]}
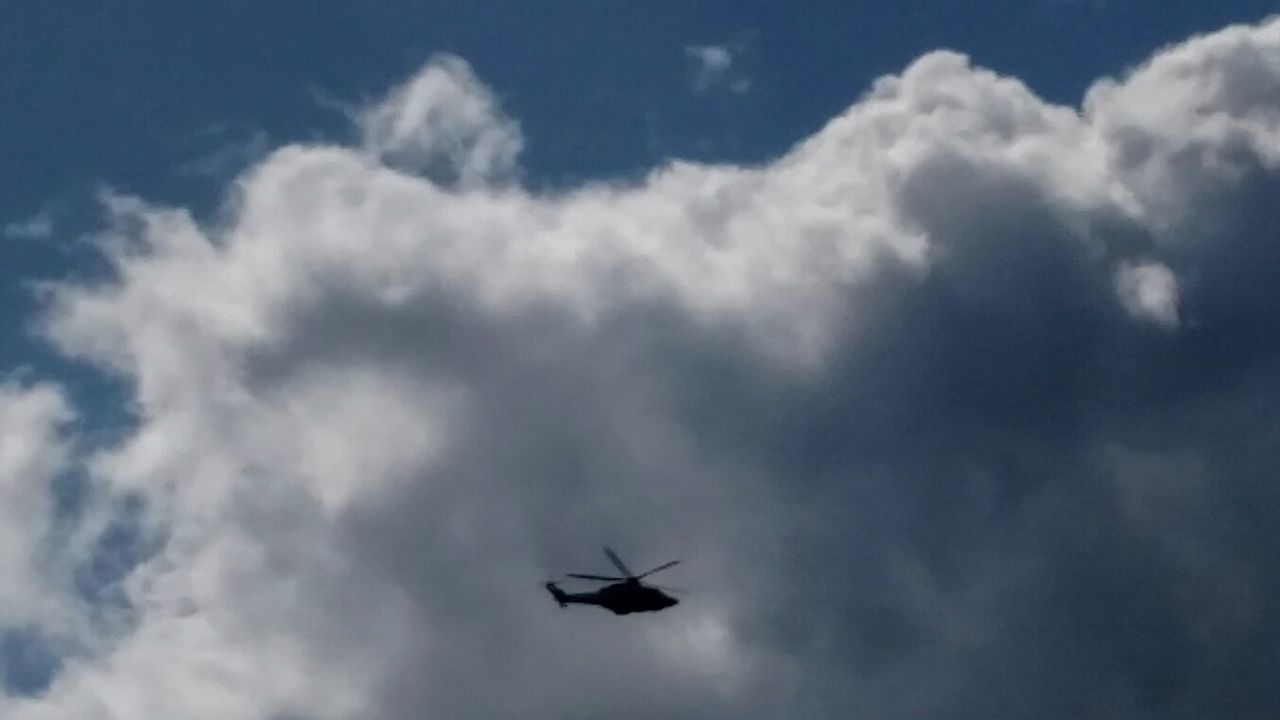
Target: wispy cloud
{"type": "Point", "coordinates": [714, 65]}
{"type": "Point", "coordinates": [36, 227]}
{"type": "Point", "coordinates": [710, 64]}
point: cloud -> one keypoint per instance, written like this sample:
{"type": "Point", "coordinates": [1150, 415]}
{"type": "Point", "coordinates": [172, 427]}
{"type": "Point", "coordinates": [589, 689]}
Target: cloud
{"type": "Point", "coordinates": [44, 540]}
{"type": "Point", "coordinates": [1149, 291]}
{"type": "Point", "coordinates": [222, 151]}
{"type": "Point", "coordinates": [712, 65]}
{"type": "Point", "coordinates": [443, 120]}
{"type": "Point", "coordinates": [37, 227]}
{"type": "Point", "coordinates": [33, 453]}
{"type": "Point", "coordinates": [885, 396]}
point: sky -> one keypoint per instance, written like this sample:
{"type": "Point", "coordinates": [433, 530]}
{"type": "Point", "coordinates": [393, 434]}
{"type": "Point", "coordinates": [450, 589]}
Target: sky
{"type": "Point", "coordinates": [936, 342]}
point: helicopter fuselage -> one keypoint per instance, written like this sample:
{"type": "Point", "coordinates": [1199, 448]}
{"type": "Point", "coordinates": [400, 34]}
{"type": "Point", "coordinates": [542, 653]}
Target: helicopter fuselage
{"type": "Point", "coordinates": [620, 598]}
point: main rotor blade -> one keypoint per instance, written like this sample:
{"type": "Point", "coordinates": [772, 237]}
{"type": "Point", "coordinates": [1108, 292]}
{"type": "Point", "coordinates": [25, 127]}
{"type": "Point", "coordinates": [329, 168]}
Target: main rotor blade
{"type": "Point", "coordinates": [664, 566]}
{"type": "Point", "coordinates": [622, 568]}
{"type": "Point", "coordinates": [668, 588]}
{"type": "Point", "coordinates": [600, 578]}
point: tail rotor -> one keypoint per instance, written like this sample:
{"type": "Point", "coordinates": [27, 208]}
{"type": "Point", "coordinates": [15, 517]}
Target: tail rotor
{"type": "Point", "coordinates": [556, 592]}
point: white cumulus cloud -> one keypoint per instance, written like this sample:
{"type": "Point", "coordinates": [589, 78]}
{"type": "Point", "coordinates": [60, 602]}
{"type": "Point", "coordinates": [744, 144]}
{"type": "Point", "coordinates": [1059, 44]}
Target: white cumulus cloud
{"type": "Point", "coordinates": [872, 393]}
{"type": "Point", "coordinates": [33, 451]}
{"type": "Point", "coordinates": [443, 120]}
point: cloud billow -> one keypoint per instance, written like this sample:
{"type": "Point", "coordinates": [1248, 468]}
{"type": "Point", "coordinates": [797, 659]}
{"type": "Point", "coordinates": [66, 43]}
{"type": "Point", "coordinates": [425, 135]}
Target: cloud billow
{"type": "Point", "coordinates": [958, 409]}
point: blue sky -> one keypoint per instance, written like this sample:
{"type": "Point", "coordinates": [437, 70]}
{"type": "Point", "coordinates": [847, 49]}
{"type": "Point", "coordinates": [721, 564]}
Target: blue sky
{"type": "Point", "coordinates": [135, 98]}
{"type": "Point", "coordinates": [168, 102]}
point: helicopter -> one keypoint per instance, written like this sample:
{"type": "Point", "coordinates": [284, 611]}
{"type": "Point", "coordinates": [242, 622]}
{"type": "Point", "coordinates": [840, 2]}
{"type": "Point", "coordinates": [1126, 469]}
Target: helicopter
{"type": "Point", "coordinates": [626, 595]}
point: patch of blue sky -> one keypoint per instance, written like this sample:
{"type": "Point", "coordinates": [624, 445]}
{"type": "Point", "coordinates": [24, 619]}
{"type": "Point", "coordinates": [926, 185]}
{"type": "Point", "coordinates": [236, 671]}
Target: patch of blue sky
{"type": "Point", "coordinates": [126, 542]}
{"type": "Point", "coordinates": [28, 661]}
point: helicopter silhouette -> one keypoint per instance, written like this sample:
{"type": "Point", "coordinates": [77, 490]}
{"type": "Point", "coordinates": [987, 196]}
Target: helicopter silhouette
{"type": "Point", "coordinates": [626, 595]}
